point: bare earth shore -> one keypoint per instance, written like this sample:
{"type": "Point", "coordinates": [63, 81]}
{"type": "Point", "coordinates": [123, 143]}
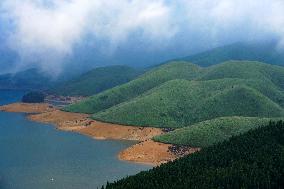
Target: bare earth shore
{"type": "Point", "coordinates": [146, 151]}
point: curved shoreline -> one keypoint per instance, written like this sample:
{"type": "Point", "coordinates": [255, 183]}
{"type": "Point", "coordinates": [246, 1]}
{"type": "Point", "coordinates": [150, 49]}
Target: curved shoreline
{"type": "Point", "coordinates": [146, 151]}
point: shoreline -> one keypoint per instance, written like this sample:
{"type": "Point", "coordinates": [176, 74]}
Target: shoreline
{"type": "Point", "coordinates": [146, 151]}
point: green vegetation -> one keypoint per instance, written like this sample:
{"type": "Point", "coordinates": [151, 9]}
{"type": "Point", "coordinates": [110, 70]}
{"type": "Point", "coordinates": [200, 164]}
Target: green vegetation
{"type": "Point", "coordinates": [262, 52]}
{"type": "Point", "coordinates": [246, 70]}
{"type": "Point", "coordinates": [252, 160]}
{"type": "Point", "coordinates": [180, 94]}
{"type": "Point", "coordinates": [179, 103]}
{"type": "Point", "coordinates": [134, 88]}
{"type": "Point", "coordinates": [210, 132]}
{"type": "Point", "coordinates": [33, 97]}
{"type": "Point", "coordinates": [96, 80]}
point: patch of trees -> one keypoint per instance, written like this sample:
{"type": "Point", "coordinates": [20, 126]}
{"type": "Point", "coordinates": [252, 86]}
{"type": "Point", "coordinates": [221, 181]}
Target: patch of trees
{"type": "Point", "coordinates": [252, 160]}
{"type": "Point", "coordinates": [33, 97]}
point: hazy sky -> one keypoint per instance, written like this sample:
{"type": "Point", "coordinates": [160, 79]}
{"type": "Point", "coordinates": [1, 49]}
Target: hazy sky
{"type": "Point", "coordinates": [44, 33]}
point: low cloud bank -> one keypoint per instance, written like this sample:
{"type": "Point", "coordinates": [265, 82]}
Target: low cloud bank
{"type": "Point", "coordinates": [44, 32]}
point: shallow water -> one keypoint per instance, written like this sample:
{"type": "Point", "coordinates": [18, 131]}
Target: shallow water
{"type": "Point", "coordinates": [35, 155]}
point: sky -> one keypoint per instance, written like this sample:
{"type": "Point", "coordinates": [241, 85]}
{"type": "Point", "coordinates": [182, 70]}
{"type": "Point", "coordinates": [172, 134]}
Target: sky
{"type": "Point", "coordinates": [57, 34]}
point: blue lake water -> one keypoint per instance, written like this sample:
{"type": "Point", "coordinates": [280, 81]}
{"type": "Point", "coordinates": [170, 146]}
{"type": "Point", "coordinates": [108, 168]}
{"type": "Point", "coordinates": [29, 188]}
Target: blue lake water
{"type": "Point", "coordinates": [35, 155]}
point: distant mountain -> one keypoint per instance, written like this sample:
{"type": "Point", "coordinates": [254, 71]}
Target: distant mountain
{"type": "Point", "coordinates": [28, 79]}
{"type": "Point", "coordinates": [96, 80]}
{"type": "Point", "coordinates": [263, 52]}
{"type": "Point", "coordinates": [179, 94]}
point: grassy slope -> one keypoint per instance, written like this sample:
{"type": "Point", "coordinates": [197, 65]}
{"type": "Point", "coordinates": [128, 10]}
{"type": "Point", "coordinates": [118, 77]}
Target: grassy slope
{"type": "Point", "coordinates": [180, 103]}
{"type": "Point", "coordinates": [136, 87]}
{"type": "Point", "coordinates": [213, 131]}
{"type": "Point", "coordinates": [97, 80]}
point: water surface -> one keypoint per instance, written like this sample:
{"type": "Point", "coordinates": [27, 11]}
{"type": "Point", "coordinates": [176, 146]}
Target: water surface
{"type": "Point", "coordinates": [35, 155]}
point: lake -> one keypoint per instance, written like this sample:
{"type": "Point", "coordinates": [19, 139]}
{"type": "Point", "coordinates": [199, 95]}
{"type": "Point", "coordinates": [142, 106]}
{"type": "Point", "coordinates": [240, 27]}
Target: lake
{"type": "Point", "coordinates": [35, 155]}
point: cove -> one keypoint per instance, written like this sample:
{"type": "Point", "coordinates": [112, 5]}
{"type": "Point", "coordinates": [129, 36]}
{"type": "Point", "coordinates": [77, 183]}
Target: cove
{"type": "Point", "coordinates": [35, 155]}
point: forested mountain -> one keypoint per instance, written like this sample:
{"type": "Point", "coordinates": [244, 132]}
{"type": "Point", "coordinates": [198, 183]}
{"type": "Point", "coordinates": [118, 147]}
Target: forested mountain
{"type": "Point", "coordinates": [180, 94]}
{"type": "Point", "coordinates": [28, 79]}
{"type": "Point", "coordinates": [96, 80]}
{"type": "Point", "coordinates": [252, 160]}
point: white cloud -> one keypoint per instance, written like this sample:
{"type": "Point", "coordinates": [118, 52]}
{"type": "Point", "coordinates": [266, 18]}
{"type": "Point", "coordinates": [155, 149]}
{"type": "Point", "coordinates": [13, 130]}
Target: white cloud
{"type": "Point", "coordinates": [249, 19]}
{"type": "Point", "coordinates": [50, 32]}
{"type": "Point", "coordinates": [49, 29]}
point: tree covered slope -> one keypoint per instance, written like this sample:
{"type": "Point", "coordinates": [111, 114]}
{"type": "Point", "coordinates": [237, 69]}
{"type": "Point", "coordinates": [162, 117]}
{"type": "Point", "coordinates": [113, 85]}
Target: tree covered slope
{"type": "Point", "coordinates": [252, 160]}
{"type": "Point", "coordinates": [209, 132]}
{"type": "Point", "coordinates": [180, 94]}
{"type": "Point", "coordinates": [96, 80]}
{"type": "Point", "coordinates": [180, 103]}
{"type": "Point", "coordinates": [134, 88]}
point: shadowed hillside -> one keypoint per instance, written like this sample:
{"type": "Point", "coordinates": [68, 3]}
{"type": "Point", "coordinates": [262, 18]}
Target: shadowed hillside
{"type": "Point", "coordinates": [96, 80]}
{"type": "Point", "coordinates": [29, 79]}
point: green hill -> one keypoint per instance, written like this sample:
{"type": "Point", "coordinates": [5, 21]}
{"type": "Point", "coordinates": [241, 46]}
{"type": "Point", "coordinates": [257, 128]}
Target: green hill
{"type": "Point", "coordinates": [96, 80]}
{"type": "Point", "coordinates": [252, 160]}
{"type": "Point", "coordinates": [180, 94]}
{"type": "Point", "coordinates": [262, 52]}
{"type": "Point", "coordinates": [246, 70]}
{"type": "Point", "coordinates": [179, 103]}
{"type": "Point", "coordinates": [213, 131]}
{"type": "Point", "coordinates": [134, 88]}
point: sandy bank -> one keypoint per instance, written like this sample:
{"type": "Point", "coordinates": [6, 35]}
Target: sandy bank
{"type": "Point", "coordinates": [147, 151]}
{"type": "Point", "coordinates": [152, 153]}
{"type": "Point", "coordinates": [100, 130]}
{"type": "Point", "coordinates": [81, 123]}
{"type": "Point", "coordinates": [27, 108]}
{"type": "Point", "coordinates": [63, 120]}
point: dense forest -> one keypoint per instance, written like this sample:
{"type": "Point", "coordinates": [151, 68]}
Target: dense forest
{"type": "Point", "coordinates": [252, 160]}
